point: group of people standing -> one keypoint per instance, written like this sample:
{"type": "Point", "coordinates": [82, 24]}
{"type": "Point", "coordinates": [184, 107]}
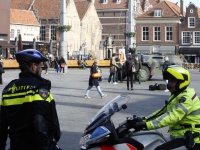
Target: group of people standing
{"type": "Point", "coordinates": [59, 64]}
{"type": "Point", "coordinates": [116, 68]}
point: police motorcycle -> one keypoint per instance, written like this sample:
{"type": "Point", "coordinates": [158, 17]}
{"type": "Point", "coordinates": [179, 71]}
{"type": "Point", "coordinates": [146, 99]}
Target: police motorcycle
{"type": "Point", "coordinates": [101, 134]}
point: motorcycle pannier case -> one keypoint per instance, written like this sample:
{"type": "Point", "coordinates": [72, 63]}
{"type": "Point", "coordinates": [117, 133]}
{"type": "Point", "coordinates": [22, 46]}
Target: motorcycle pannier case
{"type": "Point", "coordinates": [161, 86]}
{"type": "Point", "coordinates": [151, 87]}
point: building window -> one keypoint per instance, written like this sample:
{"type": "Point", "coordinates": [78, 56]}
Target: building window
{"type": "Point", "coordinates": [186, 36]}
{"type": "Point", "coordinates": [156, 33]}
{"type": "Point", "coordinates": [18, 32]}
{"type": "Point", "coordinates": [145, 33]}
{"type": "Point", "coordinates": [53, 32]}
{"type": "Point", "coordinates": [191, 22]}
{"type": "Point", "coordinates": [196, 37]}
{"type": "Point", "coordinates": [169, 34]}
{"type": "Point", "coordinates": [118, 1]}
{"type": "Point", "coordinates": [157, 13]}
{"type": "Point", "coordinates": [42, 32]}
{"type": "Point", "coordinates": [105, 1]}
{"type": "Point", "coordinates": [12, 33]}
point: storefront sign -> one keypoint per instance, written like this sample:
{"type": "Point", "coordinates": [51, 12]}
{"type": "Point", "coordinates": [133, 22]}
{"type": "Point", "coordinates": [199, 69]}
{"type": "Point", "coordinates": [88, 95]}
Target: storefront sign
{"type": "Point", "coordinates": [27, 34]}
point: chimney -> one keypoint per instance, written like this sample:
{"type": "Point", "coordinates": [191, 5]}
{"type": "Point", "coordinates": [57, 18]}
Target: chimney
{"type": "Point", "coordinates": [181, 6]}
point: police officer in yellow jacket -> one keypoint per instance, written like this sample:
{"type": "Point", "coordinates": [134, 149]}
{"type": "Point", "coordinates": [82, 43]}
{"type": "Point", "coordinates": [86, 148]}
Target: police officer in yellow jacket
{"type": "Point", "coordinates": [181, 112]}
{"type": "Point", "coordinates": [28, 112]}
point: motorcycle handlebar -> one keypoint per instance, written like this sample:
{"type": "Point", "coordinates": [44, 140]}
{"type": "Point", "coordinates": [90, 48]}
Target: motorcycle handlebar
{"type": "Point", "coordinates": [128, 124]}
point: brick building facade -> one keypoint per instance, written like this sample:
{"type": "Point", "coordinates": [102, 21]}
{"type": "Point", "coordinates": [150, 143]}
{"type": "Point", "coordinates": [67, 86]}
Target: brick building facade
{"type": "Point", "coordinates": [114, 19]}
{"type": "Point", "coordinates": [158, 29]}
{"type": "Point", "coordinates": [190, 34]}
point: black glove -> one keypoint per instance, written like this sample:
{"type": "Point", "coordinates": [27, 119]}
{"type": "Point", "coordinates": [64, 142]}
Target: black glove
{"type": "Point", "coordinates": [139, 126]}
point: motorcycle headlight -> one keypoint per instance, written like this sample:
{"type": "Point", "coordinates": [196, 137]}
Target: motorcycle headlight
{"type": "Point", "coordinates": [99, 135]}
{"type": "Point", "coordinates": [84, 139]}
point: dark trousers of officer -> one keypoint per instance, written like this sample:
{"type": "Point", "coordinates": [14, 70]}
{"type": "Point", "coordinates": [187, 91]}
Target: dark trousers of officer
{"type": "Point", "coordinates": [137, 77]}
{"type": "Point", "coordinates": [119, 75]}
{"type": "Point", "coordinates": [129, 78]}
{"type": "Point", "coordinates": [175, 144]}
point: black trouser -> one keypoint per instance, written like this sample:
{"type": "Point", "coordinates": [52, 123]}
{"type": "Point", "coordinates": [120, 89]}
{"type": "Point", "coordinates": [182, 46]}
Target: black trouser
{"type": "Point", "coordinates": [129, 77]}
{"type": "Point", "coordinates": [175, 144]}
{"type": "Point", "coordinates": [119, 74]}
{"type": "Point", "coordinates": [1, 80]}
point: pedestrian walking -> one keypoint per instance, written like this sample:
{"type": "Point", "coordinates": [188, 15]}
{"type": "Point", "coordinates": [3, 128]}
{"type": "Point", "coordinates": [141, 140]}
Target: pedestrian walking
{"type": "Point", "coordinates": [165, 65]}
{"type": "Point", "coordinates": [94, 81]}
{"type": "Point", "coordinates": [138, 67]}
{"type": "Point", "coordinates": [57, 64]}
{"type": "Point", "coordinates": [1, 70]}
{"type": "Point", "coordinates": [129, 64]}
{"type": "Point", "coordinates": [46, 65]}
{"type": "Point", "coordinates": [113, 69]}
{"type": "Point", "coordinates": [28, 112]}
{"type": "Point", "coordinates": [62, 64]}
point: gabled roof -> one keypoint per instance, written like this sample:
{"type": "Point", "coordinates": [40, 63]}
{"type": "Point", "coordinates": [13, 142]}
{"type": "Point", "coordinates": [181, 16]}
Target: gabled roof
{"type": "Point", "coordinates": [20, 4]}
{"type": "Point", "coordinates": [168, 9]}
{"type": "Point", "coordinates": [23, 17]}
{"type": "Point", "coordinates": [82, 7]}
{"type": "Point", "coordinates": [46, 8]}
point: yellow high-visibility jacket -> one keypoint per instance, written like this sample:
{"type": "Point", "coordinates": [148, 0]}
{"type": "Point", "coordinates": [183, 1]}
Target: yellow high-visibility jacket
{"type": "Point", "coordinates": [181, 114]}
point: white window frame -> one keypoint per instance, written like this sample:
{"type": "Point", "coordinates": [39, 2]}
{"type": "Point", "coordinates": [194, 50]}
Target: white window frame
{"type": "Point", "coordinates": [53, 32]}
{"type": "Point", "coordinates": [105, 1]}
{"type": "Point", "coordinates": [168, 33]}
{"type": "Point", "coordinates": [118, 1]}
{"type": "Point", "coordinates": [157, 13]}
{"type": "Point", "coordinates": [12, 33]}
{"type": "Point", "coordinates": [157, 33]}
{"type": "Point", "coordinates": [196, 38]}
{"type": "Point", "coordinates": [18, 32]}
{"type": "Point", "coordinates": [145, 37]}
{"type": "Point", "coordinates": [191, 22]}
{"type": "Point", "coordinates": [42, 32]}
{"type": "Point", "coordinates": [186, 37]}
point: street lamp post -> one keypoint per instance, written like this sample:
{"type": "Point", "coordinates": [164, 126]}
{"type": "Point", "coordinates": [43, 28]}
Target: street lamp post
{"type": "Point", "coordinates": [81, 25]}
{"type": "Point", "coordinates": [63, 35]}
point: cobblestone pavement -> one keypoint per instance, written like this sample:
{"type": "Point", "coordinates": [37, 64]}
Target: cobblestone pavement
{"type": "Point", "coordinates": [75, 112]}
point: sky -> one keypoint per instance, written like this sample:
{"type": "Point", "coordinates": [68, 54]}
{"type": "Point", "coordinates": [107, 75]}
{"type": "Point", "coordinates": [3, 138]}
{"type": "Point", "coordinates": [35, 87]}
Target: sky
{"type": "Point", "coordinates": [186, 2]}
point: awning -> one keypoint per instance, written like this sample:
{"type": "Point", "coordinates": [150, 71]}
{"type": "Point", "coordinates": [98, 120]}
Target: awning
{"type": "Point", "coordinates": [190, 51]}
{"type": "Point", "coordinates": [6, 45]}
{"type": "Point", "coordinates": [167, 50]}
{"type": "Point", "coordinates": [144, 49]}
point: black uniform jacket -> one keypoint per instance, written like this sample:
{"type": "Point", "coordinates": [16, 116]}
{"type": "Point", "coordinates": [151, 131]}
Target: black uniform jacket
{"type": "Point", "coordinates": [22, 100]}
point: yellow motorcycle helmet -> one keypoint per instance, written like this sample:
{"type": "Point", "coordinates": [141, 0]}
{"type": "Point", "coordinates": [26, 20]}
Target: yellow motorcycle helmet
{"type": "Point", "coordinates": [179, 73]}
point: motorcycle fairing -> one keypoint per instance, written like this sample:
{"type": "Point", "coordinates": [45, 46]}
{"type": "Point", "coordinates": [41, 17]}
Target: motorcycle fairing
{"type": "Point", "coordinates": [107, 111]}
{"type": "Point", "coordinates": [124, 146]}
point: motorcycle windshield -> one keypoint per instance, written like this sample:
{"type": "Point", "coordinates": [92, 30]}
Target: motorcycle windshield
{"type": "Point", "coordinates": [112, 107]}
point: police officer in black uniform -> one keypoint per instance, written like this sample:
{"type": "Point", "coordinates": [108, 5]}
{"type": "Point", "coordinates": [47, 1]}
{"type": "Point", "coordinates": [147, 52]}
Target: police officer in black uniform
{"type": "Point", "coordinates": [138, 67]}
{"type": "Point", "coordinates": [28, 112]}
